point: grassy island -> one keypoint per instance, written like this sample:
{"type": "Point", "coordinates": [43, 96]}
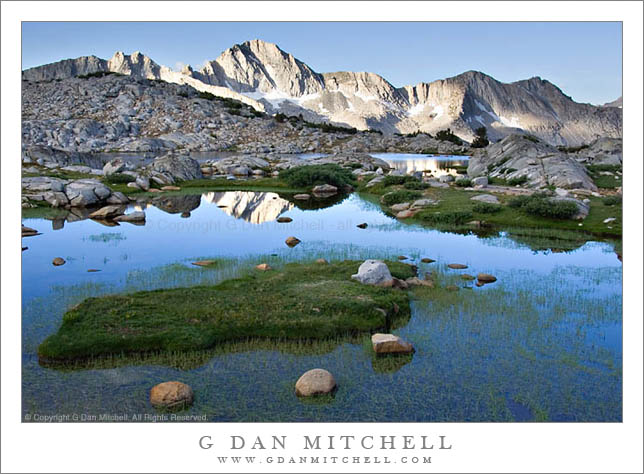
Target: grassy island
{"type": "Point", "coordinates": [298, 301]}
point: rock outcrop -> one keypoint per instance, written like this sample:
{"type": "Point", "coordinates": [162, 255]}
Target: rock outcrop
{"type": "Point", "coordinates": [315, 382]}
{"type": "Point", "coordinates": [373, 272]}
{"type": "Point", "coordinates": [540, 164]}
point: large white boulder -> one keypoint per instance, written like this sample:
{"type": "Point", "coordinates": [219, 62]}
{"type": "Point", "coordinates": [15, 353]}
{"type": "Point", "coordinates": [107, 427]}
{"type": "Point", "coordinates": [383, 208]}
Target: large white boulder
{"type": "Point", "coordinates": [373, 272]}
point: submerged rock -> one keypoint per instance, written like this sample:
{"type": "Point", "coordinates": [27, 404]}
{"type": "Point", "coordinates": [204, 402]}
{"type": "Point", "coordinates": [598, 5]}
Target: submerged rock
{"type": "Point", "coordinates": [57, 262]}
{"type": "Point", "coordinates": [137, 216]}
{"type": "Point", "coordinates": [263, 267]}
{"type": "Point", "coordinates": [292, 241]}
{"type": "Point", "coordinates": [302, 197]}
{"type": "Point", "coordinates": [390, 344]}
{"type": "Point", "coordinates": [315, 382]}
{"type": "Point", "coordinates": [486, 278]}
{"type": "Point", "coordinates": [284, 220]}
{"type": "Point", "coordinates": [325, 189]}
{"type": "Point", "coordinates": [457, 266]}
{"type": "Point", "coordinates": [204, 263]}
{"type": "Point", "coordinates": [373, 272]}
{"type": "Point", "coordinates": [362, 226]}
{"type": "Point", "coordinates": [427, 260]}
{"type": "Point", "coordinates": [171, 395]}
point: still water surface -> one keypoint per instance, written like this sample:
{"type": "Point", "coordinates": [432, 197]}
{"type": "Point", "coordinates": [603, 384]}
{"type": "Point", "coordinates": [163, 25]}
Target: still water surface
{"type": "Point", "coordinates": [542, 343]}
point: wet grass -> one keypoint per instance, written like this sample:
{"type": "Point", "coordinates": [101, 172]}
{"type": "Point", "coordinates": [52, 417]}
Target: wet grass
{"type": "Point", "coordinates": [455, 200]}
{"type": "Point", "coordinates": [301, 301]}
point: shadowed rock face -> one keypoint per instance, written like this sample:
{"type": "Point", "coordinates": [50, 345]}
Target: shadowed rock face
{"type": "Point", "coordinates": [267, 78]}
{"type": "Point", "coordinates": [252, 207]}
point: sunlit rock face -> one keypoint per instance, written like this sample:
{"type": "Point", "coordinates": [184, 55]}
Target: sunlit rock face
{"type": "Point", "coordinates": [252, 207]}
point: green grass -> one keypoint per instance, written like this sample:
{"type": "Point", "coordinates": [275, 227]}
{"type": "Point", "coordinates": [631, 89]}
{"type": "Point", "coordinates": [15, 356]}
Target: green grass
{"type": "Point", "coordinates": [605, 181]}
{"type": "Point", "coordinates": [454, 199]}
{"type": "Point", "coordinates": [396, 197]}
{"type": "Point", "coordinates": [486, 208]}
{"type": "Point", "coordinates": [299, 301]}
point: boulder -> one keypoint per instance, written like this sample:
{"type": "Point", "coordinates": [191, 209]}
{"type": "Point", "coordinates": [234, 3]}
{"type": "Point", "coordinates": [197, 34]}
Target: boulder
{"type": "Point", "coordinates": [487, 198]}
{"type": "Point", "coordinates": [28, 231]}
{"type": "Point", "coordinates": [117, 198]}
{"type": "Point", "coordinates": [292, 241]}
{"type": "Point", "coordinates": [284, 220]}
{"type": "Point", "coordinates": [143, 182]}
{"type": "Point", "coordinates": [113, 166]}
{"type": "Point", "coordinates": [481, 181]}
{"type": "Point", "coordinates": [263, 267]}
{"type": "Point", "coordinates": [178, 167]}
{"type": "Point", "coordinates": [56, 199]}
{"type": "Point", "coordinates": [400, 207]}
{"type": "Point", "coordinates": [424, 203]}
{"type": "Point", "coordinates": [457, 266]}
{"type": "Point", "coordinates": [325, 189]}
{"type": "Point", "coordinates": [137, 216]}
{"type": "Point", "coordinates": [404, 214]}
{"type": "Point", "coordinates": [390, 344]}
{"type": "Point", "coordinates": [486, 278]}
{"type": "Point", "coordinates": [107, 212]}
{"type": "Point", "coordinates": [57, 262]}
{"type": "Point", "coordinates": [171, 395]}
{"type": "Point", "coordinates": [373, 272]}
{"type": "Point", "coordinates": [446, 178]}
{"type": "Point", "coordinates": [315, 382]}
{"type": "Point", "coordinates": [415, 281]}
{"type": "Point", "coordinates": [321, 260]}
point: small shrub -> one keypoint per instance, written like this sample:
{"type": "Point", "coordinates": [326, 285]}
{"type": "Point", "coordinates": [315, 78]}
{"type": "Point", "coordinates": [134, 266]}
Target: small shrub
{"type": "Point", "coordinates": [307, 176]}
{"type": "Point", "coordinates": [598, 168]}
{"type": "Point", "coordinates": [463, 182]}
{"type": "Point", "coordinates": [572, 149]}
{"type": "Point", "coordinates": [415, 185]}
{"type": "Point", "coordinates": [98, 74]}
{"type": "Point", "coordinates": [447, 135]}
{"type": "Point", "coordinates": [392, 179]}
{"type": "Point", "coordinates": [119, 178]}
{"type": "Point", "coordinates": [540, 205]}
{"type": "Point", "coordinates": [397, 197]}
{"type": "Point", "coordinates": [486, 208]}
{"type": "Point", "coordinates": [612, 200]}
{"type": "Point", "coordinates": [207, 96]}
{"type": "Point", "coordinates": [480, 140]}
{"type": "Point", "coordinates": [448, 218]}
{"type": "Point", "coordinates": [532, 138]}
{"type": "Point", "coordinates": [518, 180]}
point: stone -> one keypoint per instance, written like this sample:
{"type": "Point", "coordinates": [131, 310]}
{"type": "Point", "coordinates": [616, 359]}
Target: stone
{"type": "Point", "coordinates": [143, 182]}
{"type": "Point", "coordinates": [133, 185]}
{"type": "Point", "coordinates": [107, 212]}
{"type": "Point", "coordinates": [171, 395]}
{"type": "Point", "coordinates": [399, 284]}
{"type": "Point", "coordinates": [56, 199]}
{"type": "Point", "coordinates": [390, 344]}
{"type": "Point", "coordinates": [57, 262]}
{"type": "Point", "coordinates": [446, 178]}
{"type": "Point", "coordinates": [467, 277]}
{"type": "Point", "coordinates": [373, 272]}
{"type": "Point", "coordinates": [92, 270]}
{"type": "Point", "coordinates": [185, 214]}
{"type": "Point", "coordinates": [424, 203]}
{"type": "Point", "coordinates": [302, 197]}
{"type": "Point", "coordinates": [263, 267]}
{"type": "Point", "coordinates": [170, 188]}
{"type": "Point", "coordinates": [427, 260]}
{"type": "Point", "coordinates": [487, 198]}
{"type": "Point", "coordinates": [486, 278]}
{"type": "Point", "coordinates": [325, 189]}
{"type": "Point", "coordinates": [113, 166]}
{"type": "Point", "coordinates": [400, 207]}
{"type": "Point", "coordinates": [457, 266]}
{"type": "Point", "coordinates": [315, 382]}
{"type": "Point", "coordinates": [284, 220]}
{"type": "Point", "coordinates": [292, 241]}
{"type": "Point", "coordinates": [609, 219]}
{"type": "Point", "coordinates": [402, 257]}
{"type": "Point", "coordinates": [117, 197]}
{"type": "Point", "coordinates": [204, 263]}
{"type": "Point", "coordinates": [404, 214]}
{"type": "Point", "coordinates": [321, 260]}
{"type": "Point", "coordinates": [415, 281]}
{"type": "Point", "coordinates": [452, 288]}
{"type": "Point", "coordinates": [177, 167]}
{"type": "Point", "coordinates": [362, 226]}
{"type": "Point", "coordinates": [137, 216]}
{"type": "Point", "coordinates": [481, 181]}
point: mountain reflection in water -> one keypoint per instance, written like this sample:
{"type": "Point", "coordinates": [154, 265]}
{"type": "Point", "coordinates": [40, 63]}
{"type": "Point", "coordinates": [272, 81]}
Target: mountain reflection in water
{"type": "Point", "coordinates": [253, 207]}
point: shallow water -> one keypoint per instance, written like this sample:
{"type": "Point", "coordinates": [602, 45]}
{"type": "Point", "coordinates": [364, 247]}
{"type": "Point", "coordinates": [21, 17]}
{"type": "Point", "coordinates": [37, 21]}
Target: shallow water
{"type": "Point", "coordinates": [429, 165]}
{"type": "Point", "coordinates": [542, 343]}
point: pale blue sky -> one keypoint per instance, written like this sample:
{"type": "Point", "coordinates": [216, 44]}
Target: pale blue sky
{"type": "Point", "coordinates": [583, 59]}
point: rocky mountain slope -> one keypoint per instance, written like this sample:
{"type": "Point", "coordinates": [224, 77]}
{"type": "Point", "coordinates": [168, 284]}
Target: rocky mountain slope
{"type": "Point", "coordinates": [266, 78]}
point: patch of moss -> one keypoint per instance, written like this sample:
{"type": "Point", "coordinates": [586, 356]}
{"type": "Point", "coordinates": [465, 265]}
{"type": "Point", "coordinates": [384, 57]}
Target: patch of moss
{"type": "Point", "coordinates": [299, 301]}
